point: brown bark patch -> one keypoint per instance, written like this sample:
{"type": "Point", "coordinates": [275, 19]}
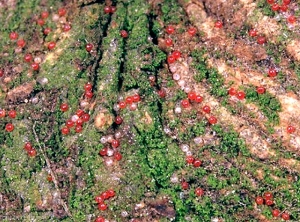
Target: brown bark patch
{"type": "Point", "coordinates": [20, 93]}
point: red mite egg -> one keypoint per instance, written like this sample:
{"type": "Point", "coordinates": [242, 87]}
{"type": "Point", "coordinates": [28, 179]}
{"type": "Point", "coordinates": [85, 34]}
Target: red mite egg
{"type": "Point", "coordinates": [88, 87]}
{"type": "Point", "coordinates": [199, 192]}
{"type": "Point", "coordinates": [212, 120]}
{"type": "Point", "coordinates": [35, 66]}
{"type": "Point", "coordinates": [176, 54]}
{"type": "Point", "coordinates": [232, 91]}
{"type": "Point", "coordinates": [62, 12]}
{"type": "Point", "coordinates": [291, 19]}
{"type": "Point", "coordinates": [13, 35]}
{"type": "Point", "coordinates": [107, 9]}
{"type": "Point", "coordinates": [170, 29]}
{"type": "Point", "coordinates": [275, 7]}
{"type": "Point", "coordinates": [184, 185]}
{"type": "Point", "coordinates": [102, 206]}
{"type": "Point", "coordinates": [192, 31]}
{"type": "Point", "coordinates": [21, 43]}
{"type": "Point", "coordinates": [115, 143]}
{"type": "Point", "coordinates": [240, 95]}
{"type": "Point", "coordinates": [113, 9]}
{"type": "Point", "coordinates": [28, 58]}
{"type": "Point", "coordinates": [51, 45]}
{"type": "Point", "coordinates": [206, 109]}
{"type": "Point", "coordinates": [259, 200]}
{"type": "Point", "coordinates": [272, 72]}
{"type": "Point", "coordinates": [136, 98]}
{"type": "Point", "coordinates": [290, 129]}
{"type": "Point", "coordinates": [283, 8]}
{"type": "Point", "coordinates": [88, 47]}
{"type": "Point", "coordinates": [260, 90]}
{"type": "Point", "coordinates": [252, 32]}
{"type": "Point", "coordinates": [32, 152]}
{"type": "Point", "coordinates": [218, 24]}
{"type": "Point", "coordinates": [118, 156]}
{"type": "Point", "coordinates": [261, 40]}
{"type": "Point", "coordinates": [124, 33]}
{"type": "Point", "coordinates": [40, 22]}
{"type": "Point", "coordinates": [185, 103]}
{"type": "Point", "coordinates": [47, 31]}
{"type": "Point", "coordinates": [169, 42]}
{"type": "Point", "coordinates": [100, 219]}
{"type": "Point", "coordinates": [103, 151]}
{"type": "Point", "coordinates": [171, 59]}
{"type": "Point", "coordinates": [199, 99]}
{"type": "Point", "coordinates": [44, 14]}
{"type": "Point", "coordinates": [118, 120]}
{"type": "Point", "coordinates": [197, 163]}
{"type": "Point", "coordinates": [65, 130]}
{"type": "Point", "coordinates": [12, 114]}
{"type": "Point", "coordinates": [192, 96]}
{"type": "Point", "coordinates": [189, 159]}
{"type": "Point", "coordinates": [67, 27]}
{"type": "Point", "coordinates": [27, 146]}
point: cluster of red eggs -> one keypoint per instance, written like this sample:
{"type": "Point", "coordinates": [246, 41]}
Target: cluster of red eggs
{"type": "Point", "coordinates": [77, 120]}
{"type": "Point", "coordinates": [80, 117]}
{"type": "Point", "coordinates": [110, 193]}
{"type": "Point", "coordinates": [21, 44]}
{"type": "Point", "coordinates": [14, 36]}
{"type": "Point", "coordinates": [30, 150]}
{"type": "Point", "coordinates": [131, 101]}
{"type": "Point", "coordinates": [291, 19]}
{"type": "Point", "coordinates": [110, 9]}
{"type": "Point", "coordinates": [9, 127]}
{"type": "Point", "coordinates": [282, 8]}
{"type": "Point", "coordinates": [195, 161]}
{"type": "Point", "coordinates": [260, 39]}
{"type": "Point", "coordinates": [238, 94]}
{"type": "Point", "coordinates": [198, 191]}
{"type": "Point", "coordinates": [104, 196]}
{"type": "Point", "coordinates": [170, 30]}
{"type": "Point", "coordinates": [174, 56]}
{"type": "Point", "coordinates": [44, 15]}
{"type": "Point", "coordinates": [113, 150]}
{"type": "Point", "coordinates": [267, 199]}
{"type": "Point", "coordinates": [113, 144]}
{"type": "Point", "coordinates": [169, 42]}
{"type": "Point", "coordinates": [192, 96]}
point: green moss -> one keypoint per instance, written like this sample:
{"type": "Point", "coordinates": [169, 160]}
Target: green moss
{"type": "Point", "coordinates": [180, 95]}
{"type": "Point", "coordinates": [172, 13]}
{"type": "Point", "coordinates": [156, 28]}
{"type": "Point", "coordinates": [174, 124]}
{"type": "Point", "coordinates": [199, 128]}
{"type": "Point", "coordinates": [297, 71]}
{"type": "Point", "coordinates": [268, 104]}
{"type": "Point", "coordinates": [265, 8]}
{"type": "Point", "coordinates": [136, 10]}
{"type": "Point", "coordinates": [109, 70]}
{"type": "Point", "coordinates": [215, 79]}
{"type": "Point", "coordinates": [142, 57]}
{"type": "Point", "coordinates": [230, 143]}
